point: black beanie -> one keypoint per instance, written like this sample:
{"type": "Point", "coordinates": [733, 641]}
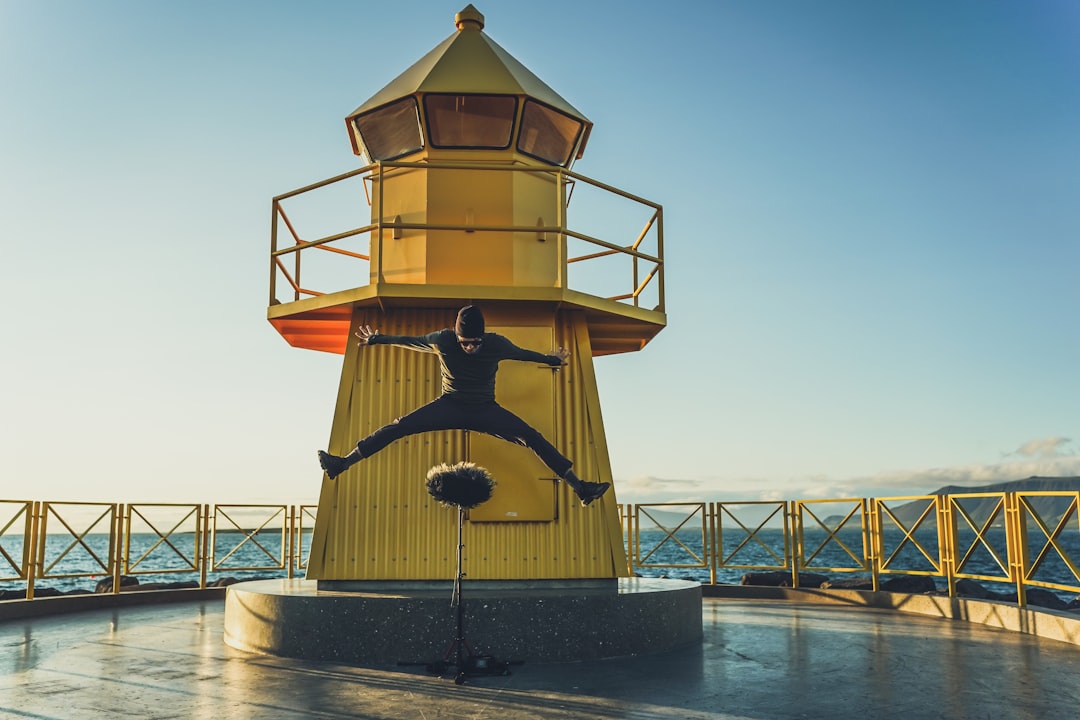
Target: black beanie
{"type": "Point", "coordinates": [470, 322]}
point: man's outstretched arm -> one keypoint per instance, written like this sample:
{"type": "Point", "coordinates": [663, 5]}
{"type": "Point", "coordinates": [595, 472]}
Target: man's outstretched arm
{"type": "Point", "coordinates": [513, 352]}
{"type": "Point", "coordinates": [423, 343]}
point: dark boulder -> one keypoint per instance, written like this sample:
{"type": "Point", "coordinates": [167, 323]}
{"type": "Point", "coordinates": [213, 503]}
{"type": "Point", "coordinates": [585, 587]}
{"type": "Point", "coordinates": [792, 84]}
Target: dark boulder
{"type": "Point", "coordinates": [1045, 598]}
{"type": "Point", "coordinates": [105, 584]}
{"type": "Point", "coordinates": [910, 584]}
{"type": "Point", "coordinates": [782, 579]}
{"type": "Point", "coordinates": [972, 589]}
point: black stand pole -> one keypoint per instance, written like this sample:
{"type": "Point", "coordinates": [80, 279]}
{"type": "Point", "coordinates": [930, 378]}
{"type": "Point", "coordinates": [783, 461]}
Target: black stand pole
{"type": "Point", "coordinates": [462, 485]}
{"type": "Point", "coordinates": [466, 663]}
{"type": "Point", "coordinates": [459, 645]}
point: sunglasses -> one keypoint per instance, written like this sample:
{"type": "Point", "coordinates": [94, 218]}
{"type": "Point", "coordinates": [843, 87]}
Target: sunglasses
{"type": "Point", "coordinates": [471, 343]}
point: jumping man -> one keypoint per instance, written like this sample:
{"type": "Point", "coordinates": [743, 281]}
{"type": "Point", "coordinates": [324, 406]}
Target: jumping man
{"type": "Point", "coordinates": [469, 358]}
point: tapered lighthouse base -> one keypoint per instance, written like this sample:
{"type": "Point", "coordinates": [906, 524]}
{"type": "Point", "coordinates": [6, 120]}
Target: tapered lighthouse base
{"type": "Point", "coordinates": [388, 623]}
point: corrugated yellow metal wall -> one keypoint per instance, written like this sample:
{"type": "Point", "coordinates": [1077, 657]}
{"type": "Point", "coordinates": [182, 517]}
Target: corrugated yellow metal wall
{"type": "Point", "coordinates": [377, 522]}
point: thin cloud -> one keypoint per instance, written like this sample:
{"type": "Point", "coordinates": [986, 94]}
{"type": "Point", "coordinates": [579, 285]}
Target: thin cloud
{"type": "Point", "coordinates": [1051, 447]}
{"type": "Point", "coordinates": [649, 489]}
{"type": "Point", "coordinates": [1046, 457]}
{"type": "Point", "coordinates": [927, 480]}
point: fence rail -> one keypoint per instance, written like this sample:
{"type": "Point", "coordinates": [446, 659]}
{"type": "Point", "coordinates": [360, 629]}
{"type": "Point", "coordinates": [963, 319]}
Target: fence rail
{"type": "Point", "coordinates": [1015, 540]}
{"type": "Point", "coordinates": [51, 541]}
{"type": "Point", "coordinates": [1019, 540]}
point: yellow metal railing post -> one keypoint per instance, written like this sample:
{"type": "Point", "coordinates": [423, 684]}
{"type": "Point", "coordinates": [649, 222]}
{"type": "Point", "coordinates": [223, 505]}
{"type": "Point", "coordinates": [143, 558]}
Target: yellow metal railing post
{"type": "Point", "coordinates": [562, 250]}
{"type": "Point", "coordinates": [624, 523]}
{"type": "Point", "coordinates": [125, 544]}
{"type": "Point", "coordinates": [379, 229]}
{"type": "Point", "coordinates": [873, 525]}
{"type": "Point", "coordinates": [660, 254]}
{"type": "Point", "coordinates": [788, 546]}
{"type": "Point", "coordinates": [714, 550]}
{"type": "Point", "coordinates": [797, 544]}
{"type": "Point", "coordinates": [211, 550]}
{"type": "Point", "coordinates": [42, 534]}
{"type": "Point", "coordinates": [719, 534]}
{"type": "Point", "coordinates": [952, 542]}
{"type": "Point", "coordinates": [117, 545]}
{"type": "Point", "coordinates": [273, 251]}
{"type": "Point", "coordinates": [1016, 542]}
{"type": "Point", "coordinates": [285, 551]}
{"type": "Point", "coordinates": [872, 537]}
{"type": "Point", "coordinates": [300, 564]}
{"type": "Point", "coordinates": [942, 548]}
{"type": "Point", "coordinates": [30, 543]}
{"type": "Point", "coordinates": [291, 559]}
{"type": "Point", "coordinates": [296, 275]}
{"type": "Point", "coordinates": [202, 532]}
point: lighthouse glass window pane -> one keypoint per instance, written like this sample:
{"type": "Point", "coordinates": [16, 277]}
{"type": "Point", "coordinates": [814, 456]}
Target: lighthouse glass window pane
{"type": "Point", "coordinates": [391, 131]}
{"type": "Point", "coordinates": [547, 134]}
{"type": "Point", "coordinates": [470, 121]}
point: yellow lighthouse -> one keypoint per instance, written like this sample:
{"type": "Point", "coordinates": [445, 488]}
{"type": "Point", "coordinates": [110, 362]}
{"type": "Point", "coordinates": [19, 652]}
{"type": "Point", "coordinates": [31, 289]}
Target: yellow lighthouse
{"type": "Point", "coordinates": [468, 197]}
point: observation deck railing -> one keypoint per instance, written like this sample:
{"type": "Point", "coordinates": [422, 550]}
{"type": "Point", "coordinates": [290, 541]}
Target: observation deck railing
{"type": "Point", "coordinates": [1018, 540]}
{"type": "Point", "coordinates": [627, 267]}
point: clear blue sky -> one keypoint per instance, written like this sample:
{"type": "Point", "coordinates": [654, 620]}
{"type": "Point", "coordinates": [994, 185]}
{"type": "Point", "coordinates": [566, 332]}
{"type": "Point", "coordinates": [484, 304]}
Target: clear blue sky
{"type": "Point", "coordinates": [872, 230]}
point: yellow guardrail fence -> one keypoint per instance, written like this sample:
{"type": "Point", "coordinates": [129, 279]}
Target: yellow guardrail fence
{"type": "Point", "coordinates": [104, 543]}
{"type": "Point", "coordinates": [335, 216]}
{"type": "Point", "coordinates": [1015, 541]}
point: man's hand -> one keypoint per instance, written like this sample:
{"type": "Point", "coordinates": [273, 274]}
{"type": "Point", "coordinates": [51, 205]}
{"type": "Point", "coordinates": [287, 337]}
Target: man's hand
{"type": "Point", "coordinates": [365, 334]}
{"type": "Point", "coordinates": [563, 354]}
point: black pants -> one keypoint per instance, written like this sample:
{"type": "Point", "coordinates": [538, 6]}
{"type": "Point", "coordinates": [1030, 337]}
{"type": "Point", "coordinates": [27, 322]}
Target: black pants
{"type": "Point", "coordinates": [448, 413]}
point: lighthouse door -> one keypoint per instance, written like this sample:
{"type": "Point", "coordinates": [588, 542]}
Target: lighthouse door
{"type": "Point", "coordinates": [526, 489]}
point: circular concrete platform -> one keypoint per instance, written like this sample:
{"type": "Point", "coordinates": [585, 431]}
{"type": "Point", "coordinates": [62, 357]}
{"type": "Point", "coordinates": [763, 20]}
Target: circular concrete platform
{"type": "Point", "coordinates": [380, 623]}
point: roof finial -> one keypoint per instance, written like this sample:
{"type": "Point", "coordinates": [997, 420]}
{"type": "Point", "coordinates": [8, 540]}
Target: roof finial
{"type": "Point", "coordinates": [470, 18]}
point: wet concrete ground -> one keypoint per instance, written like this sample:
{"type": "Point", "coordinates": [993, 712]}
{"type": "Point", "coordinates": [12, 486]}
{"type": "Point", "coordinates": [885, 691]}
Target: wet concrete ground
{"type": "Point", "coordinates": [759, 659]}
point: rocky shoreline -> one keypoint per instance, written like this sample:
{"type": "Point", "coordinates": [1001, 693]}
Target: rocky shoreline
{"type": "Point", "coordinates": [914, 585]}
{"type": "Point", "coordinates": [910, 584]}
{"type": "Point", "coordinates": [128, 583]}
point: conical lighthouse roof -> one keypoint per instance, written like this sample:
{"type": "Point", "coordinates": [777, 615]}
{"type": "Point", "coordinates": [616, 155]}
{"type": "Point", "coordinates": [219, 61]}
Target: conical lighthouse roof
{"type": "Point", "coordinates": [471, 62]}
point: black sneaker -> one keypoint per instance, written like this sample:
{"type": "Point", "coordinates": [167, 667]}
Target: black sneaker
{"type": "Point", "coordinates": [590, 491]}
{"type": "Point", "coordinates": [332, 464]}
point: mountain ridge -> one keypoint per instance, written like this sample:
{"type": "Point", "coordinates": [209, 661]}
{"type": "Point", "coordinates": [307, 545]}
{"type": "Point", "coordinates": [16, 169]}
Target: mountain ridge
{"type": "Point", "coordinates": [1049, 508]}
{"type": "Point", "coordinates": [1035, 483]}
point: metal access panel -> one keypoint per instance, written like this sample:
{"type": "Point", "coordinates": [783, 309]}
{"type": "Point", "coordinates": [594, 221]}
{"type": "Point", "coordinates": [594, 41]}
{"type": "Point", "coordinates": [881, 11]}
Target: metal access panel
{"type": "Point", "coordinates": [525, 488]}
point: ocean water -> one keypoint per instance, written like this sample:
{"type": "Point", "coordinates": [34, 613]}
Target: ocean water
{"type": "Point", "coordinates": [79, 564]}
{"type": "Point", "coordinates": [71, 564]}
{"type": "Point", "coordinates": [984, 558]}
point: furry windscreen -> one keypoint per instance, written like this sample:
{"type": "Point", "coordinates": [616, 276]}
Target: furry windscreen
{"type": "Point", "coordinates": [462, 484]}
